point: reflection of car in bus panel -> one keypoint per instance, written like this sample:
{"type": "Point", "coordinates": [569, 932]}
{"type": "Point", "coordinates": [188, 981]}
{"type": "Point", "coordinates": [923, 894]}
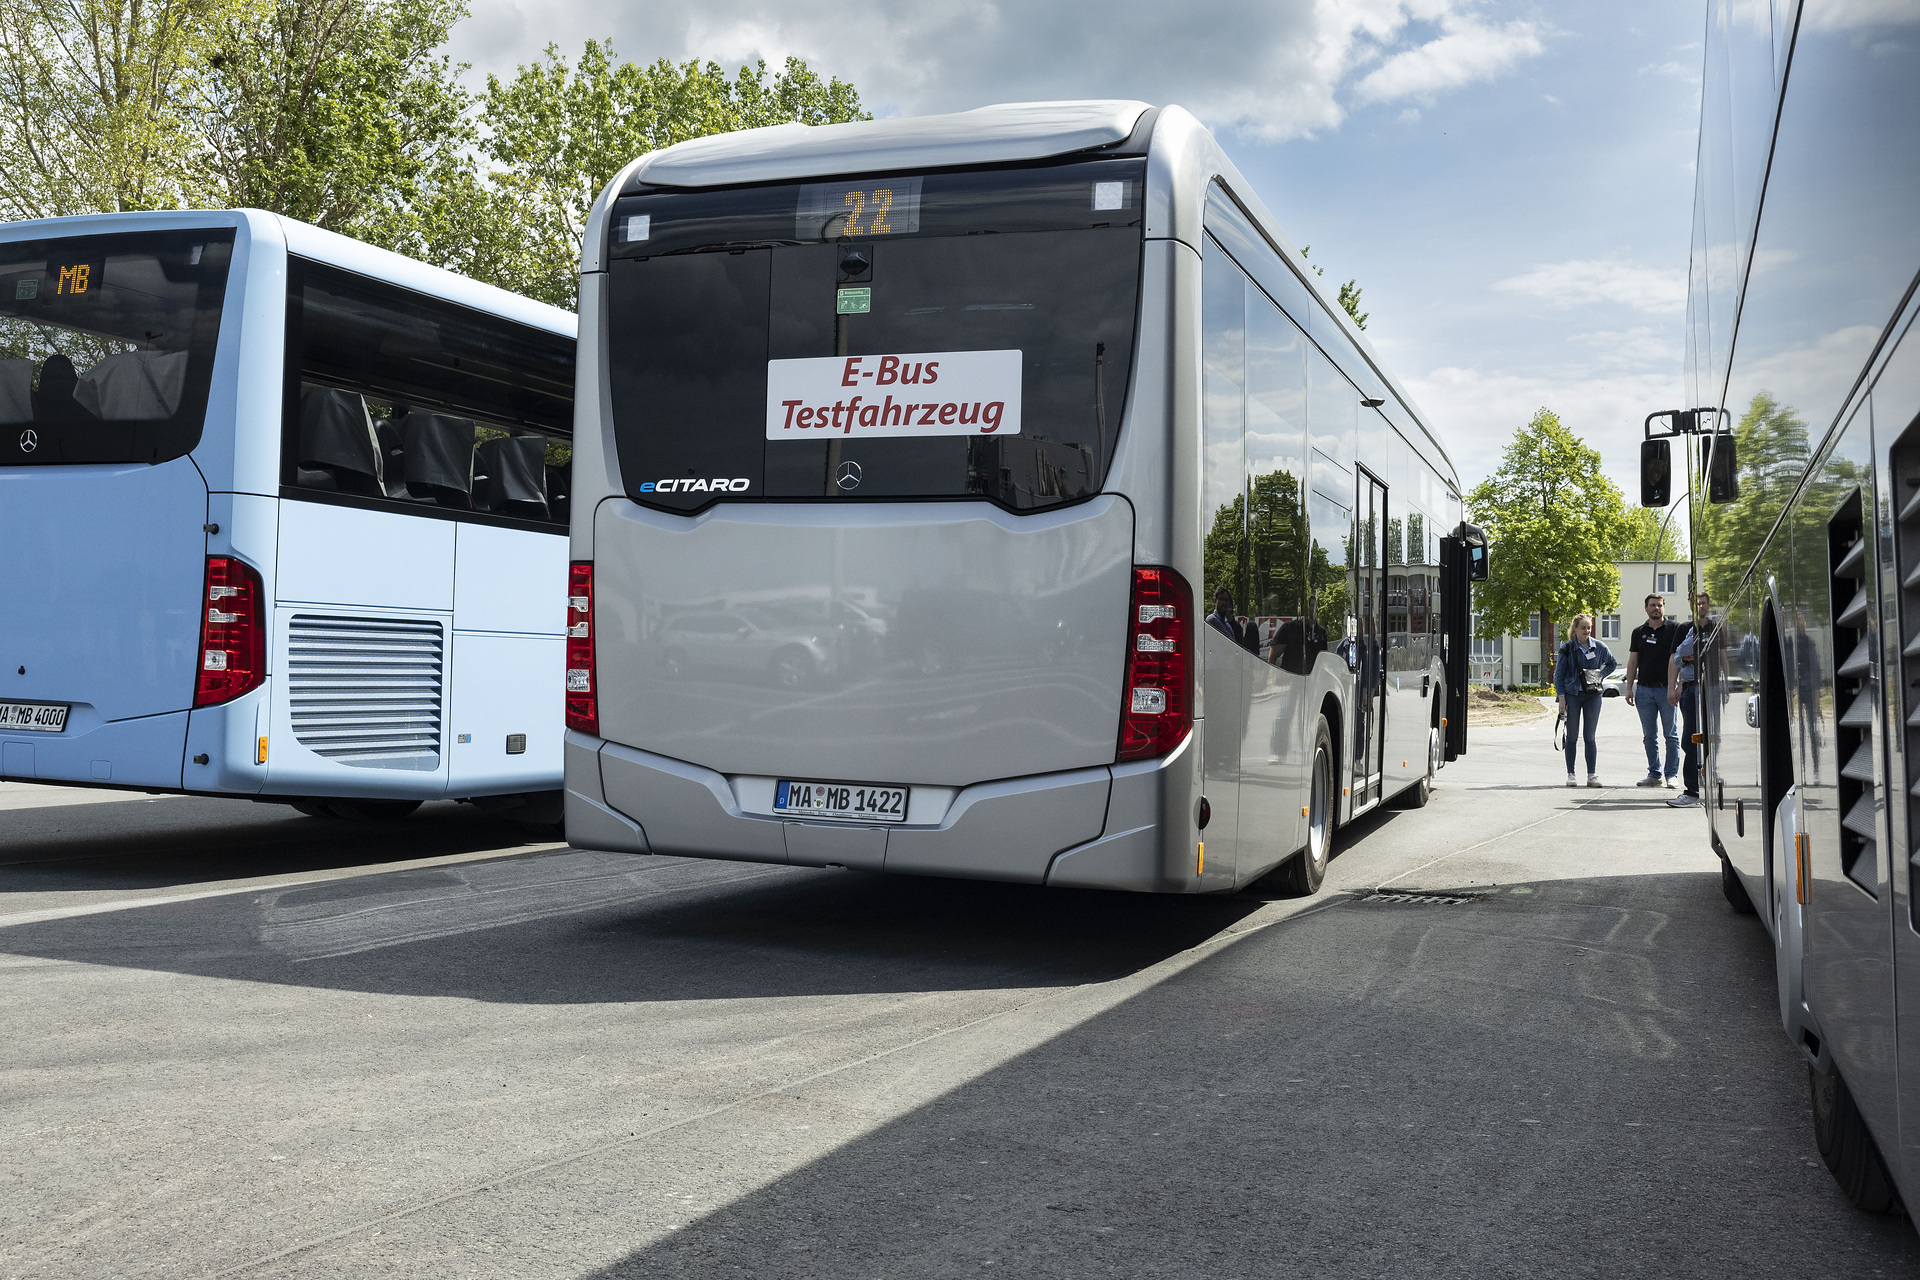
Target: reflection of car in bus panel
{"type": "Point", "coordinates": [1035, 386]}
{"type": "Point", "coordinates": [1805, 377]}
{"type": "Point", "coordinates": [288, 509]}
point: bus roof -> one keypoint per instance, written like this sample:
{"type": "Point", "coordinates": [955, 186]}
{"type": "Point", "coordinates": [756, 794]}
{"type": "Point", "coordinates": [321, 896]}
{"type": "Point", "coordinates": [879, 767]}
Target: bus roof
{"type": "Point", "coordinates": [309, 241]}
{"type": "Point", "coordinates": [1008, 131]}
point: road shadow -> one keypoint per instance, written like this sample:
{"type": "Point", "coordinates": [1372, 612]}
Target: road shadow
{"type": "Point", "coordinates": [184, 841]}
{"type": "Point", "coordinates": [1577, 1079]}
{"type": "Point", "coordinates": [578, 927]}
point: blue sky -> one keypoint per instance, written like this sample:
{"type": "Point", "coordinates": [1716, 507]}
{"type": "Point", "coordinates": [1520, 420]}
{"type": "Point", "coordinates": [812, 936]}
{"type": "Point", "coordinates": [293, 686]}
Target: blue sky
{"type": "Point", "coordinates": [1510, 183]}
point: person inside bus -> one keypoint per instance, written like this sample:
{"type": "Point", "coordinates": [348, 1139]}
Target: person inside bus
{"type": "Point", "coordinates": [54, 401]}
{"type": "Point", "coordinates": [1648, 650]}
{"type": "Point", "coordinates": [1579, 676]}
{"type": "Point", "coordinates": [1683, 692]}
{"type": "Point", "coordinates": [1806, 683]}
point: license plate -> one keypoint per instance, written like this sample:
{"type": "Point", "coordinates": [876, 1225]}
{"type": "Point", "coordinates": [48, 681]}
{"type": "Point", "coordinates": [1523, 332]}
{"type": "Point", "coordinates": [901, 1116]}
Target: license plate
{"type": "Point", "coordinates": [865, 803]}
{"type": "Point", "coordinates": [33, 717]}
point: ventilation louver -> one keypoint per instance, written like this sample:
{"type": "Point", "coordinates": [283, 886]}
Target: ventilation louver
{"type": "Point", "coordinates": [1854, 637]}
{"type": "Point", "coordinates": [367, 692]}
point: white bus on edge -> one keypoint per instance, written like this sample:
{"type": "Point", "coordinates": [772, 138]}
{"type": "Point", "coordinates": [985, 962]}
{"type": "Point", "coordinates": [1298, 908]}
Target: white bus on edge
{"type": "Point", "coordinates": [283, 518]}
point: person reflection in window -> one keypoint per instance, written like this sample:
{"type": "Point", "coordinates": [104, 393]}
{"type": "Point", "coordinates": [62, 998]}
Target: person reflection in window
{"type": "Point", "coordinates": [1244, 634]}
{"type": "Point", "coordinates": [1300, 641]}
{"type": "Point", "coordinates": [54, 401]}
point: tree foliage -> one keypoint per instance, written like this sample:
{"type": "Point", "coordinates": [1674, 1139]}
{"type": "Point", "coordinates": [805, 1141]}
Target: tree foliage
{"type": "Point", "coordinates": [557, 134]}
{"type": "Point", "coordinates": [345, 113]}
{"type": "Point", "coordinates": [1650, 535]}
{"type": "Point", "coordinates": [91, 112]}
{"type": "Point", "coordinates": [1349, 298]}
{"type": "Point", "coordinates": [1554, 522]}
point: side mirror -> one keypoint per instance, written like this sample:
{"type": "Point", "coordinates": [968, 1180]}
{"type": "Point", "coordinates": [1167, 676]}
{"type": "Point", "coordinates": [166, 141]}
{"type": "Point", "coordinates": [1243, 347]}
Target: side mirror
{"type": "Point", "coordinates": [1477, 564]}
{"type": "Point", "coordinates": [1656, 473]}
{"type": "Point", "coordinates": [1723, 473]}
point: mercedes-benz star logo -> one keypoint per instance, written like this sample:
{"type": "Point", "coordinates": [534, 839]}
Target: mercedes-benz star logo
{"type": "Point", "coordinates": [848, 476]}
{"type": "Point", "coordinates": [30, 440]}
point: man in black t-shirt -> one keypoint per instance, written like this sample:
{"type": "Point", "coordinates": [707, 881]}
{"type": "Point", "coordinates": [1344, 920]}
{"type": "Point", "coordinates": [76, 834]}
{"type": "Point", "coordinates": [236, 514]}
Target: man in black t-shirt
{"type": "Point", "coordinates": [1648, 650]}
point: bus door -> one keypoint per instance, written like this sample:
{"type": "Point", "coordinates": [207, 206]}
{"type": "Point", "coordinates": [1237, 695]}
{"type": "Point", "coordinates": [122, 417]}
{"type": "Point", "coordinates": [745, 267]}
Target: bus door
{"type": "Point", "coordinates": [1370, 611]}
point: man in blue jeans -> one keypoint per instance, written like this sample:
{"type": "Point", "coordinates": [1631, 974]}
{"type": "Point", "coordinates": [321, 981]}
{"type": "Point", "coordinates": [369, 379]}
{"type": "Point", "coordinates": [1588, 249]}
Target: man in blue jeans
{"type": "Point", "coordinates": [1648, 650]}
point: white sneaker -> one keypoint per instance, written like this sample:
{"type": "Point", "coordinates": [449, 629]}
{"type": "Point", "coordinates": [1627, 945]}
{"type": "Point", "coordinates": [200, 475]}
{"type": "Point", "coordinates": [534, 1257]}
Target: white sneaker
{"type": "Point", "coordinates": [1593, 780]}
{"type": "Point", "coordinates": [1651, 780]}
{"type": "Point", "coordinates": [1572, 781]}
{"type": "Point", "coordinates": [1670, 783]}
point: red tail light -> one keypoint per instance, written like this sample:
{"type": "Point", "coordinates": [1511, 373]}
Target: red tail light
{"type": "Point", "coordinates": [1158, 711]}
{"type": "Point", "coordinates": [233, 632]}
{"type": "Point", "coordinates": [583, 703]}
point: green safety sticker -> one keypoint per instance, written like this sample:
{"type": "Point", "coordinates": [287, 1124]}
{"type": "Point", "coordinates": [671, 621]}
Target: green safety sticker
{"type": "Point", "coordinates": [853, 302]}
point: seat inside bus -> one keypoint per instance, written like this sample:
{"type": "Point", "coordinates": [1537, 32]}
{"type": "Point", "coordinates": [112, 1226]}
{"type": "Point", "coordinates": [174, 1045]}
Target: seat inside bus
{"type": "Point", "coordinates": [338, 448]}
{"type": "Point", "coordinates": [437, 457]}
{"type": "Point", "coordinates": [513, 469]}
{"type": "Point", "coordinates": [133, 386]}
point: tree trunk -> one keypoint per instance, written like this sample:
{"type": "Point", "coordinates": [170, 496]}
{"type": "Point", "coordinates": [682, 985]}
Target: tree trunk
{"type": "Point", "coordinates": [1548, 651]}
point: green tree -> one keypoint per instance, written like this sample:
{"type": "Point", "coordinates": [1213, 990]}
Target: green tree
{"type": "Point", "coordinates": [91, 113]}
{"type": "Point", "coordinates": [335, 112]}
{"type": "Point", "coordinates": [555, 135]}
{"type": "Point", "coordinates": [1553, 523]}
{"type": "Point", "coordinates": [1349, 298]}
{"type": "Point", "coordinates": [1771, 446]}
{"type": "Point", "coordinates": [1652, 536]}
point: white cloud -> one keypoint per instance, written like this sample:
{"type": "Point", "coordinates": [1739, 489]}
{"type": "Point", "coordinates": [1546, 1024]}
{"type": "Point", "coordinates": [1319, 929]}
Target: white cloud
{"type": "Point", "coordinates": [1267, 70]}
{"type": "Point", "coordinates": [1575, 283]}
{"type": "Point", "coordinates": [1633, 348]}
{"type": "Point", "coordinates": [1470, 51]}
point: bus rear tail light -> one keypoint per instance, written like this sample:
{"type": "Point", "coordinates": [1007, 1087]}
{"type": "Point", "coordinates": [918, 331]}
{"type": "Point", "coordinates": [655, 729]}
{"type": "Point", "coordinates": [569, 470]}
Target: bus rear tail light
{"type": "Point", "coordinates": [233, 632]}
{"type": "Point", "coordinates": [1157, 713]}
{"type": "Point", "coordinates": [583, 702]}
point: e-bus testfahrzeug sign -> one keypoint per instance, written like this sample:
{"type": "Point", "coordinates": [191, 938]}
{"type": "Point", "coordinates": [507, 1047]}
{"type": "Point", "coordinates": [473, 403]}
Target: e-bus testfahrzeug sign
{"type": "Point", "coordinates": [928, 393]}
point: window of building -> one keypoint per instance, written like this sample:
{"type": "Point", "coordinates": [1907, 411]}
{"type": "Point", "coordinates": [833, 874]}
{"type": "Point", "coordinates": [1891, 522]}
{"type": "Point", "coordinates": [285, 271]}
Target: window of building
{"type": "Point", "coordinates": [1533, 627]}
{"type": "Point", "coordinates": [1663, 583]}
{"type": "Point", "coordinates": [1609, 626]}
{"type": "Point", "coordinates": [1485, 647]}
{"type": "Point", "coordinates": [1529, 673]}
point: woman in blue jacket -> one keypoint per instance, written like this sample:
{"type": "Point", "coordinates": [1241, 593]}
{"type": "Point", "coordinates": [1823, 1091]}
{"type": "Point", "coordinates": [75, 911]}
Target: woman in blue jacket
{"type": "Point", "coordinates": [1577, 675]}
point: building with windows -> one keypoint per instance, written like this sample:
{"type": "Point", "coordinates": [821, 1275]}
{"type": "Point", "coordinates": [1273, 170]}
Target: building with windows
{"type": "Point", "coordinates": [1516, 659]}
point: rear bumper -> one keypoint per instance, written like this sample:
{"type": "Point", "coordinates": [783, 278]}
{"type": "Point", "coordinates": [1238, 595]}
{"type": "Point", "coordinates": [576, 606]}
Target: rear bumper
{"type": "Point", "coordinates": [1092, 828]}
{"type": "Point", "coordinates": [143, 752]}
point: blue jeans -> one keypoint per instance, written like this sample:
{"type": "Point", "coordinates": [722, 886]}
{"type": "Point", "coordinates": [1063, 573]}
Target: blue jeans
{"type": "Point", "coordinates": [1583, 717]}
{"type": "Point", "coordinates": [1652, 704]}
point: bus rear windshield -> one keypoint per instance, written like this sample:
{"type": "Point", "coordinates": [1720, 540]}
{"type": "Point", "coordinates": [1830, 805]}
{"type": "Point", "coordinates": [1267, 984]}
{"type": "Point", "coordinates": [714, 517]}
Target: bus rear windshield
{"type": "Point", "coordinates": [107, 343]}
{"type": "Point", "coordinates": [926, 336]}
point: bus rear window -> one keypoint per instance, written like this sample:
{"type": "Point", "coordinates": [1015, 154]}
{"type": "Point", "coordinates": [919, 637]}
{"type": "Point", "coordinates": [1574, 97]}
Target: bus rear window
{"type": "Point", "coordinates": [935, 335]}
{"type": "Point", "coordinates": [107, 344]}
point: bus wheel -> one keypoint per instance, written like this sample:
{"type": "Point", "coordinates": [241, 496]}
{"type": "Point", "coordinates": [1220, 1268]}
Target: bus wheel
{"type": "Point", "coordinates": [1847, 1146]}
{"type": "Point", "coordinates": [1733, 890]}
{"type": "Point", "coordinates": [373, 810]}
{"type": "Point", "coordinates": [314, 808]}
{"type": "Point", "coordinates": [1309, 867]}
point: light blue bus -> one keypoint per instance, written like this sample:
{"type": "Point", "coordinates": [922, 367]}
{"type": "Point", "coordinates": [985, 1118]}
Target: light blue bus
{"type": "Point", "coordinates": [283, 517]}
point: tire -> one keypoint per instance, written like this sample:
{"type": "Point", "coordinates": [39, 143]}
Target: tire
{"type": "Point", "coordinates": [1845, 1144]}
{"type": "Point", "coordinates": [315, 809]}
{"type": "Point", "coordinates": [1304, 873]}
{"type": "Point", "coordinates": [373, 810]}
{"type": "Point", "coordinates": [1734, 891]}
{"type": "Point", "coordinates": [792, 668]}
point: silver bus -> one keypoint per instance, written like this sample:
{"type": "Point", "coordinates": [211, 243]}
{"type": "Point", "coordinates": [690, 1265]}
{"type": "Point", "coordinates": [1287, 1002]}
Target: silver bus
{"type": "Point", "coordinates": [993, 495]}
{"type": "Point", "coordinates": [1804, 371]}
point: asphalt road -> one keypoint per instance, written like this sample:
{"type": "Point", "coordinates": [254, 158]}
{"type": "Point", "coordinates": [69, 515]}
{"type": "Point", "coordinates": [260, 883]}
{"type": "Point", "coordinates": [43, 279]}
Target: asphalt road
{"type": "Point", "coordinates": [238, 1041]}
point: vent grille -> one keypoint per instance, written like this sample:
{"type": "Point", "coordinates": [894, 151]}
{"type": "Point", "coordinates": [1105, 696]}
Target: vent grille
{"type": "Point", "coordinates": [1855, 689]}
{"type": "Point", "coordinates": [367, 692]}
{"type": "Point", "coordinates": [1425, 897]}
